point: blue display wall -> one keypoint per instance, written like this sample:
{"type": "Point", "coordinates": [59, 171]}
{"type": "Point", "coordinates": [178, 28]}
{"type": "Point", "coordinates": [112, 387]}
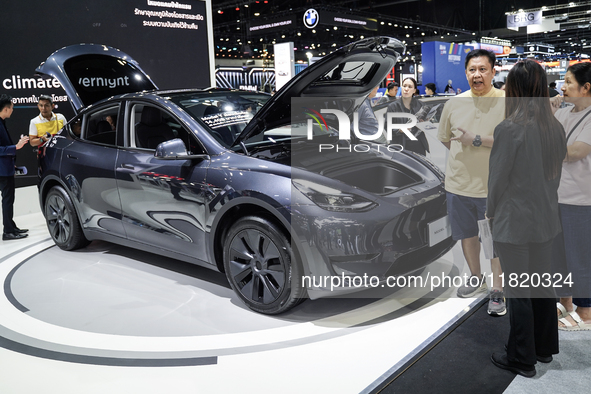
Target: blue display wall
{"type": "Point", "coordinates": [443, 61]}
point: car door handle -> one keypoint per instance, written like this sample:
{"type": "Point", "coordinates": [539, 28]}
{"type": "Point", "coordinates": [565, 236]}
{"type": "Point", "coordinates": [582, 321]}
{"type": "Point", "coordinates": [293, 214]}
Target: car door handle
{"type": "Point", "coordinates": [71, 157]}
{"type": "Point", "coordinates": [127, 166]}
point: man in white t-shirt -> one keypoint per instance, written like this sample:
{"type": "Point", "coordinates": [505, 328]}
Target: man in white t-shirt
{"type": "Point", "coordinates": [466, 128]}
{"type": "Point", "coordinates": [46, 123]}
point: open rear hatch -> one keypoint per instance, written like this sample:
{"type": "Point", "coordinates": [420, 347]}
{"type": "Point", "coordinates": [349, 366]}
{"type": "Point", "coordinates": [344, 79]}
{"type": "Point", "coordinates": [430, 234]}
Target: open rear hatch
{"type": "Point", "coordinates": [351, 71]}
{"type": "Point", "coordinates": [90, 73]}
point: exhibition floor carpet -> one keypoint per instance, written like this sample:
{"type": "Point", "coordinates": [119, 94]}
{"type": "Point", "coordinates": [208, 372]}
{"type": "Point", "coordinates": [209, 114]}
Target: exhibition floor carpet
{"type": "Point", "coordinates": [459, 361]}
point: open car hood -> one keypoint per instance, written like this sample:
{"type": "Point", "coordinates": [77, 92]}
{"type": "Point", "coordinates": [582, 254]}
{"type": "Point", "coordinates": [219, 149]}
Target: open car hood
{"type": "Point", "coordinates": [91, 72]}
{"type": "Point", "coordinates": [351, 71]}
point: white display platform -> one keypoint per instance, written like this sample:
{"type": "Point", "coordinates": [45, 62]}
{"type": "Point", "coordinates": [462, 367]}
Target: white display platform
{"type": "Point", "coordinates": [109, 318]}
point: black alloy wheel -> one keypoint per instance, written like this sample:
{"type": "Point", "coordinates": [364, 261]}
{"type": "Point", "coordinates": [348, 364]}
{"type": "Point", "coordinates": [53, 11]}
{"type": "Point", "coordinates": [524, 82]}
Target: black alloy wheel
{"type": "Point", "coordinates": [261, 267]}
{"type": "Point", "coordinates": [62, 220]}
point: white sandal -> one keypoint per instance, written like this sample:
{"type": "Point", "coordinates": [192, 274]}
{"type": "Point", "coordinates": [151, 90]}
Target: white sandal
{"type": "Point", "coordinates": [562, 309]}
{"type": "Point", "coordinates": [580, 324]}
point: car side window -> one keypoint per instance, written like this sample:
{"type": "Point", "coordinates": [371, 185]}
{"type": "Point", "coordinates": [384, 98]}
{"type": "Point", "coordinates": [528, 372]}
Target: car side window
{"type": "Point", "coordinates": [99, 126]}
{"type": "Point", "coordinates": [152, 126]}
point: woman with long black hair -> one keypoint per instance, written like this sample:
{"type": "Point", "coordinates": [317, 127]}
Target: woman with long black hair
{"type": "Point", "coordinates": [524, 173]}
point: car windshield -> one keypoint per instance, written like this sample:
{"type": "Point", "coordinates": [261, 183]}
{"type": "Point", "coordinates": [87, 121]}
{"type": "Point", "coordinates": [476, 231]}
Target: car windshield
{"type": "Point", "coordinates": [224, 113]}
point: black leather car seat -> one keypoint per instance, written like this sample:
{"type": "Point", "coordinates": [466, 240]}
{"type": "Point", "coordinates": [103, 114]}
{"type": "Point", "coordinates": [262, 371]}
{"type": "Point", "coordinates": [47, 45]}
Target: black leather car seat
{"type": "Point", "coordinates": [103, 126]}
{"type": "Point", "coordinates": [152, 130]}
{"type": "Point", "coordinates": [103, 133]}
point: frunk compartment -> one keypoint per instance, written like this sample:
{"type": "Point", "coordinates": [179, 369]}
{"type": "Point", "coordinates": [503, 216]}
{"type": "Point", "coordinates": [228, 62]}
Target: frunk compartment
{"type": "Point", "coordinates": [378, 177]}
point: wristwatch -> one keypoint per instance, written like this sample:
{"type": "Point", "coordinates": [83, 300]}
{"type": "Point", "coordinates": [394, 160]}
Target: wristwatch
{"type": "Point", "coordinates": [477, 141]}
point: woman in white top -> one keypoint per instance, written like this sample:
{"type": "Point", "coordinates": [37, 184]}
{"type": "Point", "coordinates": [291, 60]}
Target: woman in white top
{"type": "Point", "coordinates": [572, 252]}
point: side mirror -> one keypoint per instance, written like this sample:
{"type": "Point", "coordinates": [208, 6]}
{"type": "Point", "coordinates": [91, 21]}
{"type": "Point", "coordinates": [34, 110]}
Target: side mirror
{"type": "Point", "coordinates": [175, 149]}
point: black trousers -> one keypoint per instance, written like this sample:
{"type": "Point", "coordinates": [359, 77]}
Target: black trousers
{"type": "Point", "coordinates": [7, 187]}
{"type": "Point", "coordinates": [531, 304]}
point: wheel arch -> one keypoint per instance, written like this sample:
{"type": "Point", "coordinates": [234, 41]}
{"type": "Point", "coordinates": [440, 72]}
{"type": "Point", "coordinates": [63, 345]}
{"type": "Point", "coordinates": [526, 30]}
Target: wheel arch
{"type": "Point", "coordinates": [50, 182]}
{"type": "Point", "coordinates": [242, 207]}
{"type": "Point", "coordinates": [46, 186]}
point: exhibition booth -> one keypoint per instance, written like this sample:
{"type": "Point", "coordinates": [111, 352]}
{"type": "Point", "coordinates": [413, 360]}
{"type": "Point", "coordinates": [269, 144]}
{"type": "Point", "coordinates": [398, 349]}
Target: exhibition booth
{"type": "Point", "coordinates": [134, 312]}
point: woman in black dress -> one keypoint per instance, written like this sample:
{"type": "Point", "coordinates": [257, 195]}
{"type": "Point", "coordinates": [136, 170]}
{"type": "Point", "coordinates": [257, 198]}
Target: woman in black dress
{"type": "Point", "coordinates": [524, 173]}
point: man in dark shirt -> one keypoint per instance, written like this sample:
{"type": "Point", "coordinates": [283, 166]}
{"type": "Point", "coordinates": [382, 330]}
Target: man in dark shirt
{"type": "Point", "coordinates": [7, 160]}
{"type": "Point", "coordinates": [552, 89]}
{"type": "Point", "coordinates": [390, 95]}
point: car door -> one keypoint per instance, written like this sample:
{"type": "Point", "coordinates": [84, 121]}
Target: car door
{"type": "Point", "coordinates": [162, 200]}
{"type": "Point", "coordinates": [88, 170]}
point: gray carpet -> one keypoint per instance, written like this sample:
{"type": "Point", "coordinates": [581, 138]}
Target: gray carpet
{"type": "Point", "coordinates": [570, 372]}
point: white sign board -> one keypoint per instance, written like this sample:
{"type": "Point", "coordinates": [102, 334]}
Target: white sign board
{"type": "Point", "coordinates": [515, 21]}
{"type": "Point", "coordinates": [284, 64]}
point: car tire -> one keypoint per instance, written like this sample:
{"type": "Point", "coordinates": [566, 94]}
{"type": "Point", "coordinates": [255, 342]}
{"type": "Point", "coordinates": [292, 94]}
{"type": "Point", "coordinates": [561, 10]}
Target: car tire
{"type": "Point", "coordinates": [260, 266]}
{"type": "Point", "coordinates": [62, 220]}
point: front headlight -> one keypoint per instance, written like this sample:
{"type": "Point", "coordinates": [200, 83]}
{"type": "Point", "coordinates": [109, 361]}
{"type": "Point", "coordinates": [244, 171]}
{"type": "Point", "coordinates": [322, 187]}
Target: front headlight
{"type": "Point", "coordinates": [332, 199]}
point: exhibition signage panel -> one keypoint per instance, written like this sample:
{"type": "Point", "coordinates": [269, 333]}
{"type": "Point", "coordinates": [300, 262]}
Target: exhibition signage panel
{"type": "Point", "coordinates": [533, 48]}
{"type": "Point", "coordinates": [515, 21]}
{"type": "Point", "coordinates": [172, 40]}
{"type": "Point", "coordinates": [271, 25]}
{"type": "Point", "coordinates": [312, 18]}
{"type": "Point", "coordinates": [351, 21]}
{"type": "Point", "coordinates": [284, 63]}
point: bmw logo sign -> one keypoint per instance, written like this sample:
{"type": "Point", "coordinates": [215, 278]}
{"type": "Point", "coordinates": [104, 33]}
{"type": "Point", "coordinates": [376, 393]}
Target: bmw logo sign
{"type": "Point", "coordinates": [311, 18]}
